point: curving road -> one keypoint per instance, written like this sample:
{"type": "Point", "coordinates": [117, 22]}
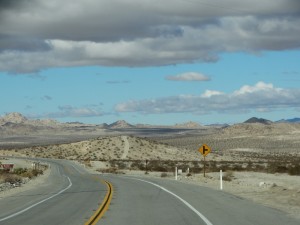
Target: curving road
{"type": "Point", "coordinates": [72, 196]}
{"type": "Point", "coordinates": [160, 201]}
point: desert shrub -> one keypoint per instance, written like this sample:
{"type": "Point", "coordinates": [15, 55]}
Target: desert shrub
{"type": "Point", "coordinates": [164, 174]}
{"type": "Point", "coordinates": [20, 171]}
{"type": "Point", "coordinates": [31, 173]}
{"type": "Point", "coordinates": [228, 176]}
{"type": "Point", "coordinates": [196, 170]}
{"type": "Point", "coordinates": [121, 165]}
{"type": "Point", "coordinates": [11, 178]}
{"type": "Point", "coordinates": [237, 167]}
{"type": "Point", "coordinates": [212, 166]}
{"type": "Point", "coordinates": [277, 168]}
{"type": "Point", "coordinates": [37, 172]}
{"type": "Point", "coordinates": [294, 170]}
{"type": "Point", "coordinates": [108, 170]}
{"type": "Point", "coordinates": [261, 168]}
{"type": "Point", "coordinates": [195, 163]}
{"type": "Point", "coordinates": [87, 162]}
{"type": "Point", "coordinates": [138, 165]}
{"type": "Point", "coordinates": [157, 166]}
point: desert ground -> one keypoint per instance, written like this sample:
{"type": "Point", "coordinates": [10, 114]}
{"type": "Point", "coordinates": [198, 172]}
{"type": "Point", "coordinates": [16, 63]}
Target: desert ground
{"type": "Point", "coordinates": [27, 183]}
{"type": "Point", "coordinates": [260, 162]}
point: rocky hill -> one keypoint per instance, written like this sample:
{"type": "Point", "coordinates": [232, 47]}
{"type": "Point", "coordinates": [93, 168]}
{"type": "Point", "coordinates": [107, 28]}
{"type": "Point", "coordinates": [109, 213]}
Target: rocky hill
{"type": "Point", "coordinates": [255, 129]}
{"type": "Point", "coordinates": [109, 148]}
{"type": "Point", "coordinates": [17, 118]}
{"type": "Point", "coordinates": [14, 124]}
{"type": "Point", "coordinates": [120, 124]}
{"type": "Point", "coordinates": [294, 120]}
{"type": "Point", "coordinates": [13, 118]}
{"type": "Point", "coordinates": [189, 125]}
{"type": "Point", "coordinates": [258, 120]}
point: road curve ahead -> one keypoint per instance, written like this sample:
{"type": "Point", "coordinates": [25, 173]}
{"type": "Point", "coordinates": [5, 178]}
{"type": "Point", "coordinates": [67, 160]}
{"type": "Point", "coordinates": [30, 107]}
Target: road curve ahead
{"type": "Point", "coordinates": [72, 196]}
{"type": "Point", "coordinates": [69, 197]}
{"type": "Point", "coordinates": [166, 202]}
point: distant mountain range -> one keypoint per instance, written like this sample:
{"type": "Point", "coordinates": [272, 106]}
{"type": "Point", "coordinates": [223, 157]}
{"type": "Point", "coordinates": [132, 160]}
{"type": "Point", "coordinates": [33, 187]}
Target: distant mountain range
{"type": "Point", "coordinates": [18, 118]}
{"type": "Point", "coordinates": [267, 122]}
{"type": "Point", "coordinates": [16, 123]}
{"type": "Point", "coordinates": [294, 120]}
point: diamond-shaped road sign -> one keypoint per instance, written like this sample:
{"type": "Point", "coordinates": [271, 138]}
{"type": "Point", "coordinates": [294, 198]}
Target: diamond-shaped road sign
{"type": "Point", "coordinates": [204, 150]}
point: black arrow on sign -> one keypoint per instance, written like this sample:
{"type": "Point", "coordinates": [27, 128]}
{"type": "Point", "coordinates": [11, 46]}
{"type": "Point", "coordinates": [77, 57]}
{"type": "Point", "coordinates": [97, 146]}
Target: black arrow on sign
{"type": "Point", "coordinates": [204, 150]}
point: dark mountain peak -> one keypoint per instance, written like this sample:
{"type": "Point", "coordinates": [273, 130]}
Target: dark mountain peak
{"type": "Point", "coordinates": [258, 120]}
{"type": "Point", "coordinates": [120, 124]}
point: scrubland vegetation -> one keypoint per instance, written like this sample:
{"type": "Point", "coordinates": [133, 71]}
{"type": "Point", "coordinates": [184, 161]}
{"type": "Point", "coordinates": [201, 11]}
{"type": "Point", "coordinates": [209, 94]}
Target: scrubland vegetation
{"type": "Point", "coordinates": [17, 176]}
{"type": "Point", "coordinates": [115, 166]}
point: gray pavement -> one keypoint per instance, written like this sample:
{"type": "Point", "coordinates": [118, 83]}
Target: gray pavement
{"type": "Point", "coordinates": [137, 202]}
{"type": "Point", "coordinates": [82, 196]}
{"type": "Point", "coordinates": [71, 195]}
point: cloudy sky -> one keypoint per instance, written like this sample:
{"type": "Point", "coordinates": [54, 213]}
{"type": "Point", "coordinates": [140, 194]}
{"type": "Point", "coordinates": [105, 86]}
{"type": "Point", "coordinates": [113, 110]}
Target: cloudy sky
{"type": "Point", "coordinates": [155, 62]}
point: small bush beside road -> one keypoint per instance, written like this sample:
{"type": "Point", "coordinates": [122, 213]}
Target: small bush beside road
{"type": "Point", "coordinates": [17, 177]}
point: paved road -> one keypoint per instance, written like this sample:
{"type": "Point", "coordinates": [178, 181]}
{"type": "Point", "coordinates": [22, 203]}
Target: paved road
{"type": "Point", "coordinates": [70, 196]}
{"type": "Point", "coordinates": [160, 201]}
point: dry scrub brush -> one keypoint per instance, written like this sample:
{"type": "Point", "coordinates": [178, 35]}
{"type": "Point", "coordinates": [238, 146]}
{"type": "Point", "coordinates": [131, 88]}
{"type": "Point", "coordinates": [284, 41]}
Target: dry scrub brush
{"type": "Point", "coordinates": [17, 175]}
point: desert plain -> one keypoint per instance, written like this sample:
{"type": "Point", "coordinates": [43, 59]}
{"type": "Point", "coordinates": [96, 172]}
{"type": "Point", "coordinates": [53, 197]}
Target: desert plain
{"type": "Point", "coordinates": [260, 160]}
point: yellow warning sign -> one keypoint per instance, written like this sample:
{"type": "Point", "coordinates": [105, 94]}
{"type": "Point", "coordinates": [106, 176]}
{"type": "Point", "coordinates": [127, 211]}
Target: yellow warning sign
{"type": "Point", "coordinates": [204, 150]}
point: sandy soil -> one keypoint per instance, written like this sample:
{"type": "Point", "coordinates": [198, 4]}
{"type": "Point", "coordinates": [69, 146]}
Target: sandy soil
{"type": "Point", "coordinates": [19, 163]}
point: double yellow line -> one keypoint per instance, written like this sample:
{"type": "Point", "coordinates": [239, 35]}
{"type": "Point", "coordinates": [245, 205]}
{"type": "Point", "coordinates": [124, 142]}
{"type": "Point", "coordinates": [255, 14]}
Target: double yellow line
{"type": "Point", "coordinates": [103, 207]}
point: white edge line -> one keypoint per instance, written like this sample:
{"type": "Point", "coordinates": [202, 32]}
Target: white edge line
{"type": "Point", "coordinates": [44, 200]}
{"type": "Point", "coordinates": [182, 200]}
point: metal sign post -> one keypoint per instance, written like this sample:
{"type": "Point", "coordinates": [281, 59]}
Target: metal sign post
{"type": "Point", "coordinates": [204, 166]}
{"type": "Point", "coordinates": [204, 150]}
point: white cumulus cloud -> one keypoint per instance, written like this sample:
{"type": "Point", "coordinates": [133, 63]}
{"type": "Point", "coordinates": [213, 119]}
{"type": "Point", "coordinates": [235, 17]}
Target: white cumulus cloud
{"type": "Point", "coordinates": [38, 34]}
{"type": "Point", "coordinates": [72, 111]}
{"type": "Point", "coordinates": [210, 93]}
{"type": "Point", "coordinates": [189, 76]}
{"type": "Point", "coordinates": [260, 97]}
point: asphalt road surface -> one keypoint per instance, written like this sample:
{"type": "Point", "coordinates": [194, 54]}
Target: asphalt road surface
{"type": "Point", "coordinates": [160, 201]}
{"type": "Point", "coordinates": [71, 196]}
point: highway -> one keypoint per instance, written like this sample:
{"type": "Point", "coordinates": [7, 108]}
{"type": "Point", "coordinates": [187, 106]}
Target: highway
{"type": "Point", "coordinates": [161, 201]}
{"type": "Point", "coordinates": [72, 196]}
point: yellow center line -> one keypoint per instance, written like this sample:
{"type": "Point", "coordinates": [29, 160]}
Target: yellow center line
{"type": "Point", "coordinates": [103, 207]}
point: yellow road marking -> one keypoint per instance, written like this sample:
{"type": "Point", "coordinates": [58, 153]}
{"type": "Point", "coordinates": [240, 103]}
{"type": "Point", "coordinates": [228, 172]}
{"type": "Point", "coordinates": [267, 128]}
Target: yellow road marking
{"type": "Point", "coordinates": [103, 207]}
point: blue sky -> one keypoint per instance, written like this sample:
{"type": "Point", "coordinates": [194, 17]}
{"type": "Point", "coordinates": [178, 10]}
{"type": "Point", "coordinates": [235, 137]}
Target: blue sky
{"type": "Point", "coordinates": [210, 65]}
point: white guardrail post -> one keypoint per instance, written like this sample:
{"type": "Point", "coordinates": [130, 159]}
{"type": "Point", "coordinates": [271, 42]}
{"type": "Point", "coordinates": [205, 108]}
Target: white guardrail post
{"type": "Point", "coordinates": [175, 173]}
{"type": "Point", "coordinates": [221, 180]}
